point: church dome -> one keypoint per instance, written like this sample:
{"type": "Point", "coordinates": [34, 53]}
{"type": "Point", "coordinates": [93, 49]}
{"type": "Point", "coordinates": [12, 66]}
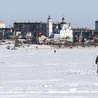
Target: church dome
{"type": "Point", "coordinates": [49, 17]}
{"type": "Point", "coordinates": [63, 21]}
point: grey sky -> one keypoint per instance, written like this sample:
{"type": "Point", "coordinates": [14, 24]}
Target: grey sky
{"type": "Point", "coordinates": [80, 13]}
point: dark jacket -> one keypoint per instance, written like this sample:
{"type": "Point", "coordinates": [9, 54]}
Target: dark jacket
{"type": "Point", "coordinates": [96, 60]}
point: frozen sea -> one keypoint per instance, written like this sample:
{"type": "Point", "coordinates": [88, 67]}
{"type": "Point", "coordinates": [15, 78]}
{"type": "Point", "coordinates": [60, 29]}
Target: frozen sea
{"type": "Point", "coordinates": [37, 72]}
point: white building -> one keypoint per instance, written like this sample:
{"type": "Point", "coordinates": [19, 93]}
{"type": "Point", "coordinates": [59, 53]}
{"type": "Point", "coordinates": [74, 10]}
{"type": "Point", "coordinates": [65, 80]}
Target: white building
{"type": "Point", "coordinates": [49, 28]}
{"type": "Point", "coordinates": [65, 32]}
{"type": "Point", "coordinates": [40, 38]}
{"type": "Point", "coordinates": [2, 24]}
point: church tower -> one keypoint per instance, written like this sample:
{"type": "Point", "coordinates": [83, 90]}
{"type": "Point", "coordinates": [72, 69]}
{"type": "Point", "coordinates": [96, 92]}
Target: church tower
{"type": "Point", "coordinates": [49, 28]}
{"type": "Point", "coordinates": [63, 23]}
{"type": "Point", "coordinates": [63, 20]}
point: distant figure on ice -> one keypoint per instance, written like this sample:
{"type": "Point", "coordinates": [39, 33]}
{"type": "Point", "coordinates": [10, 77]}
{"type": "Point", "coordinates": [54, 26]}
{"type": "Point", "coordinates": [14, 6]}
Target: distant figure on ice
{"type": "Point", "coordinates": [54, 51]}
{"type": "Point", "coordinates": [97, 62]}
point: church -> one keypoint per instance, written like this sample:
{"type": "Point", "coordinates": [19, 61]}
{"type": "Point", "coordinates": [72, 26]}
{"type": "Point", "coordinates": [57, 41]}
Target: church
{"type": "Point", "coordinates": [61, 30]}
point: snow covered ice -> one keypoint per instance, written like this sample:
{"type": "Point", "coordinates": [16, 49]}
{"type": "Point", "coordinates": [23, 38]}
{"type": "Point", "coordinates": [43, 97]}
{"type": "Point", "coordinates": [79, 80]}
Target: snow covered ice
{"type": "Point", "coordinates": [32, 72]}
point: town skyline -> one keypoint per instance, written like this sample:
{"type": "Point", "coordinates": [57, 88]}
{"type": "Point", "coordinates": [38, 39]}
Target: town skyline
{"type": "Point", "coordinates": [79, 13]}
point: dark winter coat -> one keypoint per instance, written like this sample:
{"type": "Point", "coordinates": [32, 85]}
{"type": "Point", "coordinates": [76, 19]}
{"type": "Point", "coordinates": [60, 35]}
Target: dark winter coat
{"type": "Point", "coordinates": [96, 60]}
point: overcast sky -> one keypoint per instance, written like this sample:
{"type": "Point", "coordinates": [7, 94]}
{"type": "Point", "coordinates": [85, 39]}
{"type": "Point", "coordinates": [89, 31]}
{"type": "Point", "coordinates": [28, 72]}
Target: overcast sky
{"type": "Point", "coordinates": [80, 13]}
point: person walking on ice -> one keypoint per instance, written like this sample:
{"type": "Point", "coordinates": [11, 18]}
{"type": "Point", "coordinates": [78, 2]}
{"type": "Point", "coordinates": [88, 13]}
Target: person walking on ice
{"type": "Point", "coordinates": [97, 63]}
{"type": "Point", "coordinates": [54, 51]}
